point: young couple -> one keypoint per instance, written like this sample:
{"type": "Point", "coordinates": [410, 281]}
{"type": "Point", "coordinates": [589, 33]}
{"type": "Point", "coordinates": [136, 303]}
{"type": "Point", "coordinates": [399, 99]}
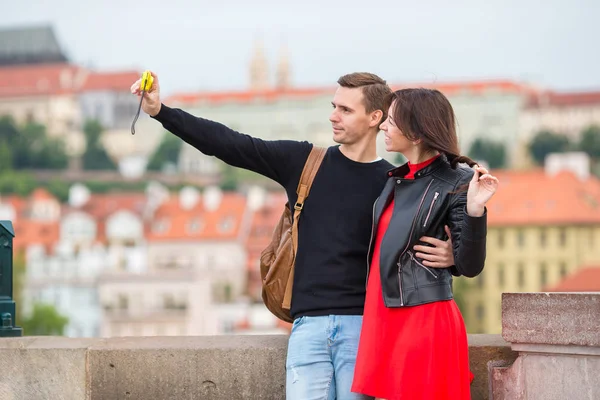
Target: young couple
{"type": "Point", "coordinates": [373, 240]}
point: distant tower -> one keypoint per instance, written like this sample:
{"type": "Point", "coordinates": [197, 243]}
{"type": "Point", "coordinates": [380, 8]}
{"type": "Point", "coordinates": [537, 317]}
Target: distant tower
{"type": "Point", "coordinates": [259, 73]}
{"type": "Point", "coordinates": [283, 69]}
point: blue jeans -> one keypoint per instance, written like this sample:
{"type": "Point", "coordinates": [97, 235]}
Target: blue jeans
{"type": "Point", "coordinates": [321, 358]}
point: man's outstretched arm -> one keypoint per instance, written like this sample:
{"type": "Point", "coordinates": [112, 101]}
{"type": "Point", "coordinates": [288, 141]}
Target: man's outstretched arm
{"type": "Point", "coordinates": [278, 159]}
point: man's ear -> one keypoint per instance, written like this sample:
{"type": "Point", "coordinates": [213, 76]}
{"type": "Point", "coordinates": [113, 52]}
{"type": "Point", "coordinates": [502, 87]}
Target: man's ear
{"type": "Point", "coordinates": [376, 118]}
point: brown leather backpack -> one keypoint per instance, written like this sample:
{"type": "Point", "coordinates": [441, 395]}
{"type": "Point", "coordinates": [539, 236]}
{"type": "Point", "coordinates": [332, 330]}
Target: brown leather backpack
{"type": "Point", "coordinates": [278, 258]}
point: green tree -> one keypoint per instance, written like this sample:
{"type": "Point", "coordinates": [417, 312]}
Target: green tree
{"type": "Point", "coordinates": [9, 135]}
{"type": "Point", "coordinates": [59, 189]}
{"type": "Point", "coordinates": [590, 141]}
{"type": "Point", "coordinates": [230, 178]}
{"type": "Point", "coordinates": [546, 142]}
{"type": "Point", "coordinates": [19, 183]}
{"type": "Point", "coordinates": [37, 150]}
{"type": "Point", "coordinates": [490, 151]}
{"type": "Point", "coordinates": [6, 157]}
{"type": "Point", "coordinates": [18, 283]}
{"type": "Point", "coordinates": [167, 152]}
{"type": "Point", "coordinates": [29, 147]}
{"type": "Point", "coordinates": [95, 156]}
{"type": "Point", "coordinates": [44, 320]}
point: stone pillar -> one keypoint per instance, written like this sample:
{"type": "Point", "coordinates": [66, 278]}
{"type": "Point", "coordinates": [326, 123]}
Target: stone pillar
{"type": "Point", "coordinates": [557, 336]}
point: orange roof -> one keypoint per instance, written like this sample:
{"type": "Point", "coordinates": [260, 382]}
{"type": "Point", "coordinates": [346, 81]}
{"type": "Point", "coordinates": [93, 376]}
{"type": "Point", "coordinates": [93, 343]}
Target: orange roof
{"type": "Point", "coordinates": [477, 87]}
{"type": "Point", "coordinates": [100, 206]}
{"type": "Point", "coordinates": [117, 81]}
{"type": "Point", "coordinates": [534, 198]}
{"type": "Point", "coordinates": [246, 95]}
{"type": "Point", "coordinates": [172, 222]}
{"type": "Point", "coordinates": [262, 225]}
{"type": "Point", "coordinates": [42, 194]}
{"type": "Point", "coordinates": [448, 88]}
{"type": "Point", "coordinates": [584, 280]}
{"type": "Point", "coordinates": [59, 79]}
{"type": "Point", "coordinates": [38, 80]}
{"type": "Point", "coordinates": [565, 99]}
{"type": "Point", "coordinates": [28, 232]}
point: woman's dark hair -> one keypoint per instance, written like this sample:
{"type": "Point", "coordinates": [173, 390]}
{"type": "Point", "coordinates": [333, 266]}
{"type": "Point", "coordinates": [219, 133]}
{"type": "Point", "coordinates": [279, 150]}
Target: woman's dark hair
{"type": "Point", "coordinates": [427, 114]}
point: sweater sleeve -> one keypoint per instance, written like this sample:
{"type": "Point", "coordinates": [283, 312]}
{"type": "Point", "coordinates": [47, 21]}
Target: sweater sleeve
{"type": "Point", "coordinates": [276, 159]}
{"type": "Point", "coordinates": [468, 234]}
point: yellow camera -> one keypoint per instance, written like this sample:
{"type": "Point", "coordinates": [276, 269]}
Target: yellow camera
{"type": "Point", "coordinates": [147, 81]}
{"type": "Point", "coordinates": [145, 86]}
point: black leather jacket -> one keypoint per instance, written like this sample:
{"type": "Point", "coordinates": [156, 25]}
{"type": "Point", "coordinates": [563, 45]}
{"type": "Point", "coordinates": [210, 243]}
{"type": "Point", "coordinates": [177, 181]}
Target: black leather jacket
{"type": "Point", "coordinates": [422, 207]}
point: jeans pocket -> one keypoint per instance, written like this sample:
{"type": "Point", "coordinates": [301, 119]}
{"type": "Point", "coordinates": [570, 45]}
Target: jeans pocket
{"type": "Point", "coordinates": [298, 321]}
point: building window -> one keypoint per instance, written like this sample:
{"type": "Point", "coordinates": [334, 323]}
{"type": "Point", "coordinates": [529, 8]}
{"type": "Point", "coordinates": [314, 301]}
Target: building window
{"type": "Point", "coordinates": [501, 275]}
{"type": "Point", "coordinates": [123, 302]}
{"type": "Point", "coordinates": [520, 238]}
{"type": "Point", "coordinates": [226, 224]}
{"type": "Point", "coordinates": [480, 281]}
{"type": "Point", "coordinates": [194, 225]}
{"type": "Point", "coordinates": [563, 269]}
{"type": "Point", "coordinates": [480, 312]}
{"type": "Point", "coordinates": [521, 275]}
{"type": "Point", "coordinates": [29, 117]}
{"type": "Point", "coordinates": [168, 302]}
{"type": "Point", "coordinates": [543, 275]}
{"type": "Point", "coordinates": [98, 112]}
{"type": "Point", "coordinates": [160, 226]}
{"type": "Point", "coordinates": [500, 238]}
{"type": "Point", "coordinates": [543, 237]}
{"type": "Point", "coordinates": [562, 237]}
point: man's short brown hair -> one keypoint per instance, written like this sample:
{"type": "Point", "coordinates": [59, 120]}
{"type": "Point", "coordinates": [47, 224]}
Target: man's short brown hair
{"type": "Point", "coordinates": [374, 89]}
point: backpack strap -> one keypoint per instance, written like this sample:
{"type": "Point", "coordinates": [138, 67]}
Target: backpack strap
{"type": "Point", "coordinates": [306, 179]}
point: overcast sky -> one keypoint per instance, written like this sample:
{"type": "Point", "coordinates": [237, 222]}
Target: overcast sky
{"type": "Point", "coordinates": [207, 45]}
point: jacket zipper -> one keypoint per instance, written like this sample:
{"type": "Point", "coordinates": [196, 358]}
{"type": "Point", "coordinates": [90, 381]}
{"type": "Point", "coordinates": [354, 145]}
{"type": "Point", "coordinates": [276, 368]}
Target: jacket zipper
{"type": "Point", "coordinates": [412, 228]}
{"type": "Point", "coordinates": [435, 196]}
{"type": "Point", "coordinates": [370, 243]}
{"type": "Point", "coordinates": [421, 265]}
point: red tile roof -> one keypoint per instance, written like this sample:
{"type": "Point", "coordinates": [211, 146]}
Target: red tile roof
{"type": "Point", "coordinates": [29, 232]}
{"type": "Point", "coordinates": [534, 198]}
{"type": "Point", "coordinates": [114, 81]}
{"type": "Point", "coordinates": [101, 206]}
{"type": "Point", "coordinates": [60, 79]}
{"type": "Point", "coordinates": [245, 95]}
{"type": "Point", "coordinates": [224, 223]}
{"type": "Point", "coordinates": [39, 80]}
{"type": "Point", "coordinates": [471, 87]}
{"type": "Point", "coordinates": [262, 225]}
{"type": "Point", "coordinates": [449, 88]}
{"type": "Point", "coordinates": [41, 194]}
{"type": "Point", "coordinates": [586, 279]}
{"type": "Point", "coordinates": [565, 99]}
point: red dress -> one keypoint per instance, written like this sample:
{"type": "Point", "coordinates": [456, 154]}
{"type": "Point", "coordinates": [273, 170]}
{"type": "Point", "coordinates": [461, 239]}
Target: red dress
{"type": "Point", "coordinates": [415, 353]}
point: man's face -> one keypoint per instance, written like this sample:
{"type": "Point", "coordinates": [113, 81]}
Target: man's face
{"type": "Point", "coordinates": [349, 119]}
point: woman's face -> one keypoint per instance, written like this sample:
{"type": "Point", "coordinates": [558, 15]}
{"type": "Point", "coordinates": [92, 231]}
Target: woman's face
{"type": "Point", "coordinates": [394, 138]}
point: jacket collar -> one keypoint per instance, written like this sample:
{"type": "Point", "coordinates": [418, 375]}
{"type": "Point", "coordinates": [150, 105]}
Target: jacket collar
{"type": "Point", "coordinates": [404, 169]}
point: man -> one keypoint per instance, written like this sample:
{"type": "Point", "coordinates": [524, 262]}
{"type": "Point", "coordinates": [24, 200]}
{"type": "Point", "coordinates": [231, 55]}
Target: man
{"type": "Point", "coordinates": [334, 230]}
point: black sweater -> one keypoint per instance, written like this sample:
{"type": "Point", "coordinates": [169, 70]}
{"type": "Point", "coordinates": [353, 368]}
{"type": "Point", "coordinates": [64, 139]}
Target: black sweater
{"type": "Point", "coordinates": [335, 224]}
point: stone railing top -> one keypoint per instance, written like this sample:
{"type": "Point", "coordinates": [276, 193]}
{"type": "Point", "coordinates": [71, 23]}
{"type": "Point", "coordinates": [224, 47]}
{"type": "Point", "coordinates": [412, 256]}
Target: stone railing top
{"type": "Point", "coordinates": [202, 367]}
{"type": "Point", "coordinates": [551, 318]}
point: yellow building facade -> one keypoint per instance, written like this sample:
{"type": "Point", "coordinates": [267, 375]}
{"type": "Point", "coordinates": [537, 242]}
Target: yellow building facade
{"type": "Point", "coordinates": [541, 228]}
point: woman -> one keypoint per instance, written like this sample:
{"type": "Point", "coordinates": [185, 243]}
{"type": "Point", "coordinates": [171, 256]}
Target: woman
{"type": "Point", "coordinates": [413, 341]}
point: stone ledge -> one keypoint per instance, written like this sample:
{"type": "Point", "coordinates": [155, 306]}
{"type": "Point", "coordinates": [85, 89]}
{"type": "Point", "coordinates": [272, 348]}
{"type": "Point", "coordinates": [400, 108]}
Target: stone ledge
{"type": "Point", "coordinates": [206, 367]}
{"type": "Point", "coordinates": [551, 318]}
